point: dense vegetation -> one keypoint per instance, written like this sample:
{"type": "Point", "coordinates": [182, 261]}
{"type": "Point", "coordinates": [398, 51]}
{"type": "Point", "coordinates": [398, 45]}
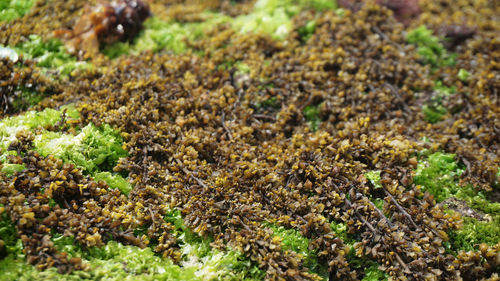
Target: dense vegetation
{"type": "Point", "coordinates": [250, 140]}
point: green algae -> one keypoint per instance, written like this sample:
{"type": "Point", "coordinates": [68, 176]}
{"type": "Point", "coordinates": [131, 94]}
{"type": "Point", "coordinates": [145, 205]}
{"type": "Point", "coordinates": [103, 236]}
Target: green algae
{"type": "Point", "coordinates": [115, 261]}
{"type": "Point", "coordinates": [311, 114]}
{"type": "Point", "coordinates": [463, 75]}
{"type": "Point", "coordinates": [292, 240]}
{"type": "Point", "coordinates": [430, 49]}
{"type": "Point", "coordinates": [30, 121]}
{"type": "Point", "coordinates": [374, 178]}
{"type": "Point", "coordinates": [13, 9]}
{"type": "Point", "coordinates": [368, 267]}
{"type": "Point", "coordinates": [93, 149]}
{"type": "Point", "coordinates": [50, 54]}
{"type": "Point", "coordinates": [433, 110]}
{"type": "Point", "coordinates": [439, 175]}
{"type": "Point", "coordinates": [269, 17]}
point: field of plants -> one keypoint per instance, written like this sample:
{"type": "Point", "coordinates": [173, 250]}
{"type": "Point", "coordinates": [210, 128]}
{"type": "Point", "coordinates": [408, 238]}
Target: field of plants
{"type": "Point", "coordinates": [249, 140]}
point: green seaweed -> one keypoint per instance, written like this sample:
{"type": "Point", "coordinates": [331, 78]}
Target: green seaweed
{"type": "Point", "coordinates": [434, 114]}
{"type": "Point", "coordinates": [13, 9]}
{"type": "Point", "coordinates": [31, 120]}
{"type": "Point", "coordinates": [374, 178]}
{"type": "Point", "coordinates": [463, 75]}
{"type": "Point", "coordinates": [115, 181]}
{"type": "Point", "coordinates": [292, 240]}
{"type": "Point", "coordinates": [93, 149]}
{"type": "Point", "coordinates": [433, 110]}
{"type": "Point", "coordinates": [115, 261]}
{"type": "Point", "coordinates": [439, 175]}
{"type": "Point", "coordinates": [311, 113]}
{"type": "Point", "coordinates": [369, 268]}
{"type": "Point", "coordinates": [307, 30]}
{"type": "Point", "coordinates": [213, 264]}
{"type": "Point", "coordinates": [475, 232]}
{"type": "Point", "coordinates": [270, 17]}
{"type": "Point", "coordinates": [430, 48]}
{"type": "Point", "coordinates": [50, 54]}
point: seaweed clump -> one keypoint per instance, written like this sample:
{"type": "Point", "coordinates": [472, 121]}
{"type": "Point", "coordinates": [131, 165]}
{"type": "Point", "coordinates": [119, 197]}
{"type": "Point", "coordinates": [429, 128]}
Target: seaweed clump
{"type": "Point", "coordinates": [104, 24]}
{"type": "Point", "coordinates": [299, 154]}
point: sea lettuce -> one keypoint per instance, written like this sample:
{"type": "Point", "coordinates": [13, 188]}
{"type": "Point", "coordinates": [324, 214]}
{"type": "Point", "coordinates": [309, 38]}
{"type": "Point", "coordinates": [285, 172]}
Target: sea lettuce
{"type": "Point", "coordinates": [31, 120]}
{"type": "Point", "coordinates": [93, 149]}
{"type": "Point", "coordinates": [50, 54]}
{"type": "Point", "coordinates": [12, 9]}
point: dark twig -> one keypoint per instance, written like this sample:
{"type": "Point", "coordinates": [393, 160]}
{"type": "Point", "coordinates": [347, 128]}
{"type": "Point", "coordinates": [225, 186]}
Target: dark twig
{"type": "Point", "coordinates": [401, 208]}
{"type": "Point", "coordinates": [398, 96]}
{"type": "Point", "coordinates": [371, 227]}
{"type": "Point", "coordinates": [265, 117]}
{"type": "Point", "coordinates": [187, 172]}
{"type": "Point", "coordinates": [379, 212]}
